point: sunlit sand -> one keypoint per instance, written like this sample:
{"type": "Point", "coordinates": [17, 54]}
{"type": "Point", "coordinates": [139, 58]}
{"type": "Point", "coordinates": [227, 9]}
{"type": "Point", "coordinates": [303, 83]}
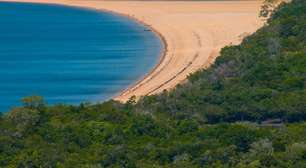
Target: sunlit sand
{"type": "Point", "coordinates": [193, 33]}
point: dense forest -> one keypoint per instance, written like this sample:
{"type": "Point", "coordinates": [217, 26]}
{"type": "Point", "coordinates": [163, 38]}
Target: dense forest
{"type": "Point", "coordinates": [248, 110]}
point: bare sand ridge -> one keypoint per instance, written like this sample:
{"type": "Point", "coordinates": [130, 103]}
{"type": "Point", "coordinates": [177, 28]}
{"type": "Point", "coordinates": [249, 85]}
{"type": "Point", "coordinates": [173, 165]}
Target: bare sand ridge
{"type": "Point", "coordinates": [193, 32]}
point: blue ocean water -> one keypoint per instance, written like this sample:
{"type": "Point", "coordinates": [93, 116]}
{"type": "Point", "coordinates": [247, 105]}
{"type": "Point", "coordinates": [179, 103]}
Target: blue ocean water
{"type": "Point", "coordinates": [70, 55]}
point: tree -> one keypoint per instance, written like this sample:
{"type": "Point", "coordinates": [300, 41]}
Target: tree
{"type": "Point", "coordinates": [33, 102]}
{"type": "Point", "coordinates": [268, 7]}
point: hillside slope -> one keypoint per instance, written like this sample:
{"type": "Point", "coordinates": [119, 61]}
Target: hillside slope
{"type": "Point", "coordinates": [195, 125]}
{"type": "Point", "coordinates": [260, 79]}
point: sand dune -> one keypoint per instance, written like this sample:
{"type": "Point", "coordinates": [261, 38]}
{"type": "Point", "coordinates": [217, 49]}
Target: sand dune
{"type": "Point", "coordinates": [194, 33]}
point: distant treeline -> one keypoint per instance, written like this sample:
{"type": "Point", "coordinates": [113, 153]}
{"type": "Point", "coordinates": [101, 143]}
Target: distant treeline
{"type": "Point", "coordinates": [247, 111]}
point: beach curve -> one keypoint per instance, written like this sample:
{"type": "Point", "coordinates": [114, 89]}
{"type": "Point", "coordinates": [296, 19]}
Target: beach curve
{"type": "Point", "coordinates": [193, 33]}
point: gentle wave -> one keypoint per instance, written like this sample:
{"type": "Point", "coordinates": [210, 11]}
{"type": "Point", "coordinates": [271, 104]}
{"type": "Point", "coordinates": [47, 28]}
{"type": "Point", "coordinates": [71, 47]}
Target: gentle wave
{"type": "Point", "coordinates": [70, 55]}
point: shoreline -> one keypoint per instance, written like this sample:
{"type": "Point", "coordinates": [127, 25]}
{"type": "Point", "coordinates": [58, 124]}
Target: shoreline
{"type": "Point", "coordinates": [161, 57]}
{"type": "Point", "coordinates": [164, 44]}
{"type": "Point", "coordinates": [192, 34]}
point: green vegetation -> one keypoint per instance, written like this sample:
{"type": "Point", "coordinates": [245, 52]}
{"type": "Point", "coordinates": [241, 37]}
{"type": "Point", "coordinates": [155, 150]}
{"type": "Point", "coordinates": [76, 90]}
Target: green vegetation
{"type": "Point", "coordinates": [260, 79]}
{"type": "Point", "coordinates": [217, 119]}
{"type": "Point", "coordinates": [103, 136]}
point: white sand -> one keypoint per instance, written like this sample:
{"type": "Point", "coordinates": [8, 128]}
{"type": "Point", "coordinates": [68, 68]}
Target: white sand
{"type": "Point", "coordinates": [194, 31]}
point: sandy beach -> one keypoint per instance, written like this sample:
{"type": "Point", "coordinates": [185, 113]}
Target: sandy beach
{"type": "Point", "coordinates": [193, 33]}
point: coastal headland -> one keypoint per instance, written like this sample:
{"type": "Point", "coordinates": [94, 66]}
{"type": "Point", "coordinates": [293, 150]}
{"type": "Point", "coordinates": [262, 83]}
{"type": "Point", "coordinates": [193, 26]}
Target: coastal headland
{"type": "Point", "coordinates": [193, 33]}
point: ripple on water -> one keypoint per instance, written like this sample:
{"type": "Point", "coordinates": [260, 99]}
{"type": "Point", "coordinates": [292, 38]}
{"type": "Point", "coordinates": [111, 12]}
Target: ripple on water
{"type": "Point", "coordinates": [70, 55]}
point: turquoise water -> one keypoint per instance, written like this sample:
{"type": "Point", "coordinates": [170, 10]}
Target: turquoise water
{"type": "Point", "coordinates": [70, 55]}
